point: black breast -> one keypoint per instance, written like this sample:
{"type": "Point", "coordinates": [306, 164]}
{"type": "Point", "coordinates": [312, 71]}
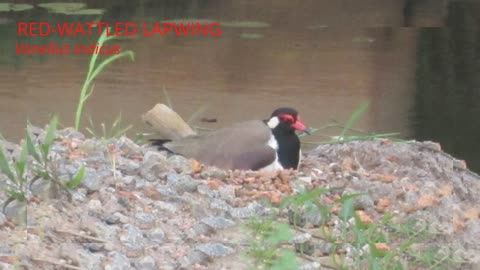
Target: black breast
{"type": "Point", "coordinates": [288, 148]}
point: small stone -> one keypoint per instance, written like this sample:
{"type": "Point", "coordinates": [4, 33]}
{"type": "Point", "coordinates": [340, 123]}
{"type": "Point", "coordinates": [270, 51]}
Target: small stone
{"type": "Point", "coordinates": [305, 248]}
{"type": "Point", "coordinates": [71, 133]}
{"type": "Point", "coordinates": [7, 266]}
{"type": "Point", "coordinates": [364, 202]}
{"type": "Point", "coordinates": [112, 219]}
{"type": "Point", "coordinates": [128, 166]}
{"type": "Point", "coordinates": [78, 256]}
{"type": "Point", "coordinates": [199, 229]}
{"type": "Point", "coordinates": [227, 192]}
{"type": "Point", "coordinates": [94, 247]}
{"type": "Point", "coordinates": [213, 172]}
{"type": "Point", "coordinates": [218, 223]}
{"type": "Point", "coordinates": [92, 180]}
{"type": "Point", "coordinates": [109, 247]}
{"type": "Point", "coordinates": [157, 235]}
{"type": "Point", "coordinates": [167, 191]}
{"type": "Point", "coordinates": [220, 205]}
{"type": "Point", "coordinates": [78, 196]}
{"type": "Point", "coordinates": [325, 248]}
{"type": "Point", "coordinates": [310, 266]}
{"type": "Point", "coordinates": [128, 179]}
{"type": "Point", "coordinates": [215, 249]}
{"type": "Point", "coordinates": [94, 205]}
{"type": "Point", "coordinates": [182, 183]}
{"type": "Point", "coordinates": [117, 261]}
{"type": "Point", "coordinates": [313, 216]}
{"type": "Point", "coordinates": [16, 212]}
{"type": "Point", "coordinates": [121, 217]}
{"type": "Point", "coordinates": [205, 190]}
{"type": "Point", "coordinates": [140, 183]}
{"type": "Point", "coordinates": [97, 228]}
{"type": "Point", "coordinates": [166, 206]}
{"type": "Point", "coordinates": [296, 218]}
{"type": "Point", "coordinates": [180, 163]}
{"type": "Point", "coordinates": [145, 220]}
{"type": "Point", "coordinates": [132, 236]}
{"type": "Point", "coordinates": [128, 146]}
{"type": "Point", "coordinates": [153, 165]}
{"type": "Point", "coordinates": [44, 189]}
{"type": "Point", "coordinates": [302, 238]}
{"type": "Point", "coordinates": [3, 218]}
{"type": "Point", "coordinates": [252, 209]}
{"type": "Point", "coordinates": [146, 263]}
{"type": "Point", "coordinates": [195, 257]}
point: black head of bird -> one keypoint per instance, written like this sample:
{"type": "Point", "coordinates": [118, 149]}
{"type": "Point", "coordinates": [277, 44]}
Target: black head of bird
{"type": "Point", "coordinates": [287, 120]}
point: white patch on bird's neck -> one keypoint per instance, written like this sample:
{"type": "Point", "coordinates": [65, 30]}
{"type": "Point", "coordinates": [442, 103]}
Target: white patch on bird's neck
{"type": "Point", "coordinates": [275, 165]}
{"type": "Point", "coordinates": [272, 142]}
{"type": "Point", "coordinates": [273, 122]}
{"type": "Point", "coordinates": [299, 158]}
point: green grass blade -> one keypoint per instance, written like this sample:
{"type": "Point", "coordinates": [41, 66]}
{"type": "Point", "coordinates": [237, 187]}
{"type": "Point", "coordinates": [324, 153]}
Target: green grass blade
{"type": "Point", "coordinates": [122, 131]}
{"type": "Point", "coordinates": [22, 162]}
{"type": "Point", "coordinates": [91, 66]}
{"type": "Point", "coordinates": [51, 132]}
{"type": "Point", "coordinates": [354, 118]}
{"type": "Point", "coordinates": [5, 166]}
{"type": "Point", "coordinates": [109, 60]}
{"type": "Point", "coordinates": [303, 197]}
{"type": "Point", "coordinates": [117, 121]}
{"type": "Point", "coordinates": [16, 195]}
{"type": "Point", "coordinates": [89, 130]}
{"type": "Point", "coordinates": [281, 233]}
{"type": "Point", "coordinates": [104, 130]}
{"type": "Point", "coordinates": [31, 147]}
{"type": "Point", "coordinates": [286, 261]}
{"type": "Point", "coordinates": [77, 179]}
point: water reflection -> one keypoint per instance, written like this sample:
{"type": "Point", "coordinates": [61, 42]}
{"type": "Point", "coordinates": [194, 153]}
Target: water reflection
{"type": "Point", "coordinates": [323, 57]}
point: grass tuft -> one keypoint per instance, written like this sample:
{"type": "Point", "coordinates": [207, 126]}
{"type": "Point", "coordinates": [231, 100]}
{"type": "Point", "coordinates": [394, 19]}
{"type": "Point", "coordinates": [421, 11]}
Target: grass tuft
{"type": "Point", "coordinates": [93, 71]}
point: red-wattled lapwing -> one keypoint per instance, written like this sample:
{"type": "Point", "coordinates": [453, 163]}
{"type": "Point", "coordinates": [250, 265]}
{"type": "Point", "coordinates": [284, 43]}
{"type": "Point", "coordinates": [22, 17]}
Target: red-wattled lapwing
{"type": "Point", "coordinates": [267, 145]}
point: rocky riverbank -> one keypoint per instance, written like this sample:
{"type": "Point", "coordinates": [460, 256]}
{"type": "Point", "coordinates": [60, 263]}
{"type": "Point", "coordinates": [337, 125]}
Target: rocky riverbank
{"type": "Point", "coordinates": [138, 208]}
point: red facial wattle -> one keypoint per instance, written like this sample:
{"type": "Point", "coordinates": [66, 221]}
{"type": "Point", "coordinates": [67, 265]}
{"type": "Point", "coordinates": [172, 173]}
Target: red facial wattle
{"type": "Point", "coordinates": [298, 125]}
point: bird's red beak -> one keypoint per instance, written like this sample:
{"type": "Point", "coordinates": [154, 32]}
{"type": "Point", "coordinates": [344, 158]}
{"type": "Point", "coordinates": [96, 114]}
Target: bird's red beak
{"type": "Point", "coordinates": [298, 125]}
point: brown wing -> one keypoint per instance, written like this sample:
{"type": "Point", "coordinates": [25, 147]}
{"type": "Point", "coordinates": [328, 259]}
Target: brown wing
{"type": "Point", "coordinates": [241, 146]}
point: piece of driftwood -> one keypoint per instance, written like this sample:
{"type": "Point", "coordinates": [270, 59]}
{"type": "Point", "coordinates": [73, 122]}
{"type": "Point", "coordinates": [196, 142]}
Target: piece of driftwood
{"type": "Point", "coordinates": [167, 122]}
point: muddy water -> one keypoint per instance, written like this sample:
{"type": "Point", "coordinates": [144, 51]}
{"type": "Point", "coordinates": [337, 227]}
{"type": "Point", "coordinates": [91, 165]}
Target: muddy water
{"type": "Point", "coordinates": [320, 57]}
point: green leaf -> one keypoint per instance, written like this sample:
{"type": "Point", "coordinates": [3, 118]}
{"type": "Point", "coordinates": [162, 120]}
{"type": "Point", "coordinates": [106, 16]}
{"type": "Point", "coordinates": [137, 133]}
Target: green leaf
{"type": "Point", "coordinates": [5, 166]}
{"type": "Point", "coordinates": [51, 132]}
{"type": "Point", "coordinates": [42, 174]}
{"type": "Point", "coordinates": [354, 118]}
{"type": "Point", "coordinates": [59, 7]}
{"type": "Point", "coordinates": [280, 234]}
{"type": "Point", "coordinates": [347, 209]}
{"type": "Point", "coordinates": [109, 60]}
{"type": "Point", "coordinates": [303, 197]}
{"type": "Point", "coordinates": [31, 147]}
{"type": "Point", "coordinates": [89, 11]}
{"type": "Point", "coordinates": [5, 7]}
{"type": "Point", "coordinates": [77, 179]}
{"type": "Point", "coordinates": [17, 195]}
{"type": "Point", "coordinates": [22, 162]}
{"type": "Point", "coordinates": [286, 261]}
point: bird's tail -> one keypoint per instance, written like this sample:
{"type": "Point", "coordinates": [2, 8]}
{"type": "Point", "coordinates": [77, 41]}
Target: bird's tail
{"type": "Point", "coordinates": [167, 123]}
{"type": "Point", "coordinates": [160, 144]}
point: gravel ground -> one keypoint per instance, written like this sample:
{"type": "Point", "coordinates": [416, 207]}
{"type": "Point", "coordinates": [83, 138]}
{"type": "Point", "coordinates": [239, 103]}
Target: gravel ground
{"type": "Point", "coordinates": [138, 208]}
